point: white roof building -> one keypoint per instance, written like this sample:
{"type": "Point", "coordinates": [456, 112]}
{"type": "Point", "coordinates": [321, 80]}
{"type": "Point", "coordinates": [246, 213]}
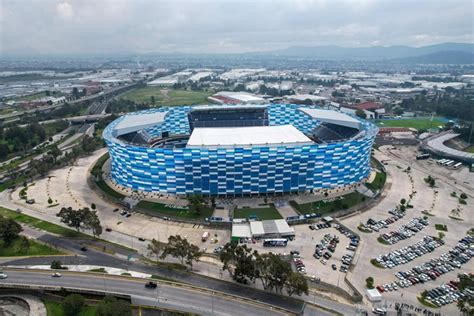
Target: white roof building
{"type": "Point", "coordinates": [247, 136]}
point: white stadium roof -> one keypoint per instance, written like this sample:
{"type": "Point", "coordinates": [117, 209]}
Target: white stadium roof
{"type": "Point", "coordinates": [333, 117]}
{"type": "Point", "coordinates": [247, 136]}
{"type": "Point", "coordinates": [132, 123]}
{"type": "Point", "coordinates": [437, 143]}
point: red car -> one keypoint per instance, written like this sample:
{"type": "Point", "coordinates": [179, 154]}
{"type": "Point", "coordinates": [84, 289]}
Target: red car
{"type": "Point", "coordinates": [380, 289]}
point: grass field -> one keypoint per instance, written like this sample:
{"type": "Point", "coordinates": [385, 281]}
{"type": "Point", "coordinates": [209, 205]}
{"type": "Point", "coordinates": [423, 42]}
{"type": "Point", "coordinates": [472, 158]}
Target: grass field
{"type": "Point", "coordinates": [418, 123]}
{"type": "Point", "coordinates": [264, 213]}
{"type": "Point", "coordinates": [470, 150]}
{"type": "Point", "coordinates": [38, 95]}
{"type": "Point", "coordinates": [55, 309]}
{"type": "Point", "coordinates": [40, 224]}
{"type": "Point", "coordinates": [153, 208]}
{"type": "Point", "coordinates": [325, 207]}
{"type": "Point", "coordinates": [108, 190]}
{"type": "Point", "coordinates": [35, 249]}
{"type": "Point", "coordinates": [378, 182]}
{"type": "Point", "coordinates": [165, 96]}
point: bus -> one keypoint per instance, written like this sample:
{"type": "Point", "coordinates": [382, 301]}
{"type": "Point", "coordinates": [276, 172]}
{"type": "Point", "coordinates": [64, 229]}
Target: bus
{"type": "Point", "coordinates": [422, 156]}
{"type": "Point", "coordinates": [441, 161]}
{"type": "Point", "coordinates": [446, 162]}
{"type": "Point", "coordinates": [458, 165]}
{"type": "Point", "coordinates": [276, 242]}
{"type": "Point", "coordinates": [449, 163]}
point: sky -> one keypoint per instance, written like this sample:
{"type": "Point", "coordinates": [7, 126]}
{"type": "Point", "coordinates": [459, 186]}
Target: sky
{"type": "Point", "coordinates": [90, 27]}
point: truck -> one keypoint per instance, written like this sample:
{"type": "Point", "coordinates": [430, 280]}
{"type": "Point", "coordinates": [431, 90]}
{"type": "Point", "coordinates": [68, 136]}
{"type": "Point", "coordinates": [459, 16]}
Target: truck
{"type": "Point", "coordinates": [205, 236]}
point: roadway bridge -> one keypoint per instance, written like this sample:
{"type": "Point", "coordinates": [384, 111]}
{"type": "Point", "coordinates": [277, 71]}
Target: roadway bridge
{"type": "Point", "coordinates": [168, 295]}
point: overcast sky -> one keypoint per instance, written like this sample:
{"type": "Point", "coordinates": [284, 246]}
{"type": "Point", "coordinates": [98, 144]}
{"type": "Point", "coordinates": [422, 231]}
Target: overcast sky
{"type": "Point", "coordinates": [220, 26]}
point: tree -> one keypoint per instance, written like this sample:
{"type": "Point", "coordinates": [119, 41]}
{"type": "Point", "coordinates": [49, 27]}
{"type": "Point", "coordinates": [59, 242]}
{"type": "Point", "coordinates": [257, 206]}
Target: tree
{"type": "Point", "coordinates": [197, 203]}
{"type": "Point", "coordinates": [75, 93]}
{"type": "Point", "coordinates": [110, 306]}
{"type": "Point", "coordinates": [296, 284]}
{"type": "Point", "coordinates": [463, 196]}
{"type": "Point", "coordinates": [466, 303]}
{"type": "Point", "coordinates": [72, 218]}
{"type": "Point", "coordinates": [440, 235]}
{"type": "Point", "coordinates": [56, 264]}
{"type": "Point", "coordinates": [93, 206]}
{"type": "Point", "coordinates": [4, 150]}
{"type": "Point", "coordinates": [50, 201]}
{"type": "Point", "coordinates": [73, 304]}
{"type": "Point", "coordinates": [55, 152]}
{"type": "Point", "coordinates": [155, 248]}
{"type": "Point", "coordinates": [398, 111]}
{"type": "Point", "coordinates": [240, 262]}
{"type": "Point", "coordinates": [403, 201]}
{"type": "Point", "coordinates": [92, 222]}
{"type": "Point", "coordinates": [82, 218]}
{"type": "Point", "coordinates": [360, 113]}
{"type": "Point", "coordinates": [180, 248]}
{"type": "Point", "coordinates": [9, 230]}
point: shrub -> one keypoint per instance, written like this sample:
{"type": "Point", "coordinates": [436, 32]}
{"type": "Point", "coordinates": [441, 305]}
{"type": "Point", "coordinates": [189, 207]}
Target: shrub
{"type": "Point", "coordinates": [369, 282]}
{"type": "Point", "coordinates": [463, 196]}
{"type": "Point", "coordinates": [56, 264]}
{"type": "Point", "coordinates": [463, 202]}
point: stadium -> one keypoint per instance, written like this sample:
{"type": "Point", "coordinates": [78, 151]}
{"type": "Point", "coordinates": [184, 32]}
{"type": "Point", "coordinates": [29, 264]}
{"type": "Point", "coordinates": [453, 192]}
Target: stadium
{"type": "Point", "coordinates": [238, 150]}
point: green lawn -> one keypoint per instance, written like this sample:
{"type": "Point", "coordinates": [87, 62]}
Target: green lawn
{"type": "Point", "coordinates": [326, 207]}
{"type": "Point", "coordinates": [55, 309]}
{"type": "Point", "coordinates": [470, 150]}
{"type": "Point", "coordinates": [378, 182]}
{"type": "Point", "coordinates": [35, 249]}
{"type": "Point", "coordinates": [264, 213]}
{"type": "Point", "coordinates": [40, 224]}
{"type": "Point", "coordinates": [153, 208]}
{"type": "Point", "coordinates": [165, 96]}
{"type": "Point", "coordinates": [418, 123]}
{"type": "Point", "coordinates": [108, 190]}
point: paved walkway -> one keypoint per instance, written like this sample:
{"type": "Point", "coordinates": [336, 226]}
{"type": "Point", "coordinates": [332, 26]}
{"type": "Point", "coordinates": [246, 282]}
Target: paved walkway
{"type": "Point", "coordinates": [35, 305]}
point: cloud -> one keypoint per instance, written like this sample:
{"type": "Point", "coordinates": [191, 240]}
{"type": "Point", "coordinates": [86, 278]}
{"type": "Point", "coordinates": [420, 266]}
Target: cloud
{"type": "Point", "coordinates": [65, 10]}
{"type": "Point", "coordinates": [139, 26]}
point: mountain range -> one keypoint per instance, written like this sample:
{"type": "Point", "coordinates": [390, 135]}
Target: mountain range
{"type": "Point", "coordinates": [438, 53]}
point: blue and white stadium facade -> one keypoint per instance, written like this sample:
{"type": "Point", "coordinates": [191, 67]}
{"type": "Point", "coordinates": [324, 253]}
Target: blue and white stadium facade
{"type": "Point", "coordinates": [294, 148]}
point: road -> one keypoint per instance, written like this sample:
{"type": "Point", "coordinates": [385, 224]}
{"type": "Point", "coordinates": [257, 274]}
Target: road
{"type": "Point", "coordinates": [93, 257]}
{"type": "Point", "coordinates": [168, 296]}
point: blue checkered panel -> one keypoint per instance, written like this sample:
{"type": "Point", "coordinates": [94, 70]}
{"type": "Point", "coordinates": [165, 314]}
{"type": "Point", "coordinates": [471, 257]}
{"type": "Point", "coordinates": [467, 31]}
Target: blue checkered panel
{"type": "Point", "coordinates": [239, 171]}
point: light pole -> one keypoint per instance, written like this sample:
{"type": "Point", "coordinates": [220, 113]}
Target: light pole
{"type": "Point", "coordinates": [212, 302]}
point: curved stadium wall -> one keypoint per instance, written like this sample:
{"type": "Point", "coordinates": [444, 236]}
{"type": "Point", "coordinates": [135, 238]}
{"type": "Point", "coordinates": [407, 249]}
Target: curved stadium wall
{"type": "Point", "coordinates": [235, 171]}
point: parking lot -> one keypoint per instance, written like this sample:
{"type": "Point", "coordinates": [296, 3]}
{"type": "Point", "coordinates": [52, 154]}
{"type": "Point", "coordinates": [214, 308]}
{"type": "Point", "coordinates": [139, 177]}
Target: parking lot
{"type": "Point", "coordinates": [305, 243]}
{"type": "Point", "coordinates": [437, 202]}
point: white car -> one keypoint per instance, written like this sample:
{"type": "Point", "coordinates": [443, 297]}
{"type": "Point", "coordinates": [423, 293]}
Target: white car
{"type": "Point", "coordinates": [3, 275]}
{"type": "Point", "coordinates": [56, 275]}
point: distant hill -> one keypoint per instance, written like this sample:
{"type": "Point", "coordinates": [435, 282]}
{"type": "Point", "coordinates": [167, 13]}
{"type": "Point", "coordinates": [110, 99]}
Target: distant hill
{"type": "Point", "coordinates": [443, 57]}
{"type": "Point", "coordinates": [333, 52]}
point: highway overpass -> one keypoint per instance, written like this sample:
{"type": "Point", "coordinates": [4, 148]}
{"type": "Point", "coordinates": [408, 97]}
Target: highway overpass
{"type": "Point", "coordinates": [168, 295]}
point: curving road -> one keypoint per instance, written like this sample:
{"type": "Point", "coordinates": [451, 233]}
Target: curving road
{"type": "Point", "coordinates": [168, 296]}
